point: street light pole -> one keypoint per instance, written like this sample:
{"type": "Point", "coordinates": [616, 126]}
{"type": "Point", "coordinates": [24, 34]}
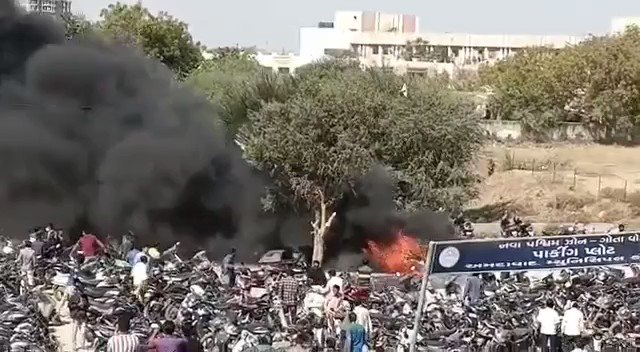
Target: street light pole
{"type": "Point", "coordinates": [421, 298]}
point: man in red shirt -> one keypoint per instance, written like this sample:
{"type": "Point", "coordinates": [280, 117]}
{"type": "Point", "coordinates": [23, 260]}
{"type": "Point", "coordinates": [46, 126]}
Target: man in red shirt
{"type": "Point", "coordinates": [90, 245]}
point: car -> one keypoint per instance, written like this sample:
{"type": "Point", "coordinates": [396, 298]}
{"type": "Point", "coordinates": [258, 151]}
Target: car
{"type": "Point", "coordinates": [282, 257]}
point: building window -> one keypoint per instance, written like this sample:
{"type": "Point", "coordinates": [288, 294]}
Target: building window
{"type": "Point", "coordinates": [283, 70]}
{"type": "Point", "coordinates": [375, 50]}
{"type": "Point", "coordinates": [386, 50]}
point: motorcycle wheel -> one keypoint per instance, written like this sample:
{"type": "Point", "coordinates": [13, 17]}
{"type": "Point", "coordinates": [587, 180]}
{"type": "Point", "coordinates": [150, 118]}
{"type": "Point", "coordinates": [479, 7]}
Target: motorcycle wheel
{"type": "Point", "coordinates": [58, 293]}
{"type": "Point", "coordinates": [89, 336]}
{"type": "Point", "coordinates": [171, 312]}
{"type": "Point", "coordinates": [208, 342]}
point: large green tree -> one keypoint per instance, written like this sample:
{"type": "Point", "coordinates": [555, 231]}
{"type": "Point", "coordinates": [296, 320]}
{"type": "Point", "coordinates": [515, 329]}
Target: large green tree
{"type": "Point", "coordinates": [160, 36]}
{"type": "Point", "coordinates": [596, 82]}
{"type": "Point", "coordinates": [235, 83]}
{"type": "Point", "coordinates": [340, 122]}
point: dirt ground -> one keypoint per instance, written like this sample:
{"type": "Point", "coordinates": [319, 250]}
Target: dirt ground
{"type": "Point", "coordinates": [560, 183]}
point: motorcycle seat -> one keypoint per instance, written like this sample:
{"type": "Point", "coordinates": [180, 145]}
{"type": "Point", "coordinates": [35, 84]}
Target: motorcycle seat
{"type": "Point", "coordinates": [179, 277]}
{"type": "Point", "coordinates": [99, 292]}
{"type": "Point", "coordinates": [102, 300]}
{"type": "Point", "coordinates": [89, 282]}
{"type": "Point", "coordinates": [248, 306]}
{"type": "Point", "coordinates": [101, 308]}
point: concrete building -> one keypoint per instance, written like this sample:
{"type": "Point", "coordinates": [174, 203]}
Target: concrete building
{"type": "Point", "coordinates": [282, 63]}
{"type": "Point", "coordinates": [53, 7]}
{"type": "Point", "coordinates": [382, 40]}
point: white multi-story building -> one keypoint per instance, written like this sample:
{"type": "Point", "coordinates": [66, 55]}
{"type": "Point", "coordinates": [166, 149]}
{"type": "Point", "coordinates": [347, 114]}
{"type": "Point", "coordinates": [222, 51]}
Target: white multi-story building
{"type": "Point", "coordinates": [380, 39]}
{"type": "Point", "coordinates": [53, 7]}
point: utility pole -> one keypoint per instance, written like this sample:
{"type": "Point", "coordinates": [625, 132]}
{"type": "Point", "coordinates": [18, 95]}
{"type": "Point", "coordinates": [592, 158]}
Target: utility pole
{"type": "Point", "coordinates": [421, 298]}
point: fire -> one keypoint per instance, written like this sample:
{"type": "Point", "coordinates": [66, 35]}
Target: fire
{"type": "Point", "coordinates": [400, 256]}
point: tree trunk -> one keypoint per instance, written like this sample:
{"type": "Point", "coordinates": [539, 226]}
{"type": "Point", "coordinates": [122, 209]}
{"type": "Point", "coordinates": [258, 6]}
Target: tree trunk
{"type": "Point", "coordinates": [320, 226]}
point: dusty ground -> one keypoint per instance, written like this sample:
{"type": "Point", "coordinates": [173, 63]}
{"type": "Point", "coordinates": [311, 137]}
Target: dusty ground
{"type": "Point", "coordinates": [63, 334]}
{"type": "Point", "coordinates": [559, 183]}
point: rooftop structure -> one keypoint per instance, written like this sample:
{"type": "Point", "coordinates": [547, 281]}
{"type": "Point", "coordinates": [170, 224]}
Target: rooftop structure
{"type": "Point", "coordinates": [392, 40]}
{"type": "Point", "coordinates": [53, 7]}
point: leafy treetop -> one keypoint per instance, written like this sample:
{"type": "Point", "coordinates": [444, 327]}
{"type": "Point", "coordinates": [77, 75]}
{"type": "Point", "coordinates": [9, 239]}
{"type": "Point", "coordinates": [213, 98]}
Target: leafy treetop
{"type": "Point", "coordinates": [341, 121]}
{"type": "Point", "coordinates": [161, 36]}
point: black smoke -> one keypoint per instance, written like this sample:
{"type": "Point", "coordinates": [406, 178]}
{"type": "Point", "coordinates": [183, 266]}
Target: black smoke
{"type": "Point", "coordinates": [98, 137]}
{"type": "Point", "coordinates": [369, 211]}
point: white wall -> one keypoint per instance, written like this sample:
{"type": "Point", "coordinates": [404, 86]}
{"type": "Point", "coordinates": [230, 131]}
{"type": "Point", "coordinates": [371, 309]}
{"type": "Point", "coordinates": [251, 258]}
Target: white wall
{"type": "Point", "coordinates": [276, 61]}
{"type": "Point", "coordinates": [313, 41]}
{"type": "Point", "coordinates": [468, 40]}
{"type": "Point", "coordinates": [348, 20]}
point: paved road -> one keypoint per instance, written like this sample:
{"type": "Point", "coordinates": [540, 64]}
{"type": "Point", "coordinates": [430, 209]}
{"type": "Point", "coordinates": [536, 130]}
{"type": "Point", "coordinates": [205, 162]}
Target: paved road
{"type": "Point", "coordinates": [63, 334]}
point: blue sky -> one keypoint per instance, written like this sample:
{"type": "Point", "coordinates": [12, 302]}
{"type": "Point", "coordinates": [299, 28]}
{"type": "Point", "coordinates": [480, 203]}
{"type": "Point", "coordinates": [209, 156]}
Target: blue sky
{"type": "Point", "coordinates": [274, 24]}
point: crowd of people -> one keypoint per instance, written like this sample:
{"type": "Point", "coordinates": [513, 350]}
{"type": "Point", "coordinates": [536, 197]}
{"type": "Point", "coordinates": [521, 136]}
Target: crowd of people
{"type": "Point", "coordinates": [564, 331]}
{"type": "Point", "coordinates": [342, 300]}
{"type": "Point", "coordinates": [345, 326]}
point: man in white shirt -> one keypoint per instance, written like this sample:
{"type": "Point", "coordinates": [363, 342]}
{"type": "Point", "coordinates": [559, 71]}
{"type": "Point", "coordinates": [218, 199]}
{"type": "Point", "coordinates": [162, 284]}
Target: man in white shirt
{"type": "Point", "coordinates": [334, 280]}
{"type": "Point", "coordinates": [363, 318]}
{"type": "Point", "coordinates": [140, 276]}
{"type": "Point", "coordinates": [572, 325]}
{"type": "Point", "coordinates": [548, 320]}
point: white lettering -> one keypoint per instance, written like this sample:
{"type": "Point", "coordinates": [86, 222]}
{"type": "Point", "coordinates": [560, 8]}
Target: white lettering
{"type": "Point", "coordinates": [600, 250]}
{"type": "Point", "coordinates": [611, 239]}
{"type": "Point", "coordinates": [509, 245]}
{"type": "Point", "coordinates": [634, 238]}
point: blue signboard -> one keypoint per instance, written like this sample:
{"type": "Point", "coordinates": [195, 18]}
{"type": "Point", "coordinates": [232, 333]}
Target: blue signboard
{"type": "Point", "coordinates": [524, 254]}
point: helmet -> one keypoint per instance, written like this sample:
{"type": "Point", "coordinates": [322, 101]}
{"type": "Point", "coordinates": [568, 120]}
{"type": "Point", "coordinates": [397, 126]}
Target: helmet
{"type": "Point", "coordinates": [153, 253]}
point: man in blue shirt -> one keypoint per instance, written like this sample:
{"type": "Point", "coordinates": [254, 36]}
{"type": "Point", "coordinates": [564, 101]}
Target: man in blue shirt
{"type": "Point", "coordinates": [356, 336]}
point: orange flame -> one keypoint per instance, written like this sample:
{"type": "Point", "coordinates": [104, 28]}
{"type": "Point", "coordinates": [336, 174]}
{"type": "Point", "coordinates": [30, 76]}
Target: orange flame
{"type": "Point", "coordinates": [400, 256]}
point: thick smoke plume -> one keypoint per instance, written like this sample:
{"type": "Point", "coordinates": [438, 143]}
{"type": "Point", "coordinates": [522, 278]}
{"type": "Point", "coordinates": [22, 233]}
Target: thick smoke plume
{"type": "Point", "coordinates": [368, 212]}
{"type": "Point", "coordinates": [99, 137]}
